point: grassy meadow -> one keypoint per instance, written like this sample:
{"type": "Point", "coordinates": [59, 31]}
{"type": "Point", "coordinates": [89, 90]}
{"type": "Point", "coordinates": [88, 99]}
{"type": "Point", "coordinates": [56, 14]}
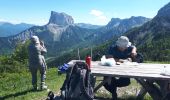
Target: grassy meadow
{"type": "Point", "coordinates": [17, 86]}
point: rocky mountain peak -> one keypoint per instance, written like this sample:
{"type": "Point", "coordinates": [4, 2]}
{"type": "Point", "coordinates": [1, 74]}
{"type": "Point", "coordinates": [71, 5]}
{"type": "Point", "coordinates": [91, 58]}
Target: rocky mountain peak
{"type": "Point", "coordinates": [162, 18]}
{"type": "Point", "coordinates": [61, 19]}
{"type": "Point", "coordinates": [164, 11]}
{"type": "Point", "coordinates": [138, 20]}
{"type": "Point", "coordinates": [114, 22]}
{"type": "Point", "coordinates": [129, 22]}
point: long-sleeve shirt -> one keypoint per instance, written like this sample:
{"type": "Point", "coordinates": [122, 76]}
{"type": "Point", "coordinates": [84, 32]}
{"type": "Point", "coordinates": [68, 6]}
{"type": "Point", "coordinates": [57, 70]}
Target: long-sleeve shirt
{"type": "Point", "coordinates": [35, 54]}
{"type": "Point", "coordinates": [116, 53]}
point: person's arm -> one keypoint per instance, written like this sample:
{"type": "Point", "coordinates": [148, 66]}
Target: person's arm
{"type": "Point", "coordinates": [43, 48]}
{"type": "Point", "coordinates": [133, 53]}
{"type": "Point", "coordinates": [111, 52]}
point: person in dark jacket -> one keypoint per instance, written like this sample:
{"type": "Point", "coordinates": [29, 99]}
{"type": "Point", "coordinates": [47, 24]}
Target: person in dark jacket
{"type": "Point", "coordinates": [122, 51]}
{"type": "Point", "coordinates": [37, 61]}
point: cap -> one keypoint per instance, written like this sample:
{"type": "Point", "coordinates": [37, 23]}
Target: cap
{"type": "Point", "coordinates": [123, 42]}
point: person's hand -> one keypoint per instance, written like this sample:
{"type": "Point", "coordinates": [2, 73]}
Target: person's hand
{"type": "Point", "coordinates": [133, 54]}
{"type": "Point", "coordinates": [129, 59]}
{"type": "Point", "coordinates": [42, 43]}
{"type": "Point", "coordinates": [121, 60]}
{"type": "Point", "coordinates": [125, 60]}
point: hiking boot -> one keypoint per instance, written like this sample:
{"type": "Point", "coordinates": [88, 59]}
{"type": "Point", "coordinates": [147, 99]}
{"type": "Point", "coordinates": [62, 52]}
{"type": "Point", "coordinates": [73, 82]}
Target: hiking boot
{"type": "Point", "coordinates": [44, 87]}
{"type": "Point", "coordinates": [35, 88]}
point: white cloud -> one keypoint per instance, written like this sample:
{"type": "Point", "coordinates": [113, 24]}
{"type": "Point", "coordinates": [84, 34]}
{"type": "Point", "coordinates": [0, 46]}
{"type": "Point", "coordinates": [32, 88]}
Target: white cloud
{"type": "Point", "coordinates": [96, 12]}
{"type": "Point", "coordinates": [99, 17]}
{"type": "Point", "coordinates": [3, 20]}
{"type": "Point", "coordinates": [10, 21]}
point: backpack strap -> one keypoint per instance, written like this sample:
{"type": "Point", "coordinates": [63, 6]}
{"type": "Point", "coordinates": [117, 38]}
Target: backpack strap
{"type": "Point", "coordinates": [86, 86]}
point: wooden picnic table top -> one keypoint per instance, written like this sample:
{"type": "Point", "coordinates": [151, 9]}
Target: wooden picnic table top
{"type": "Point", "coordinates": [131, 70]}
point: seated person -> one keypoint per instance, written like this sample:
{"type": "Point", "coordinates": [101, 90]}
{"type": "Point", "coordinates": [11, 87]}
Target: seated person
{"type": "Point", "coordinates": [121, 51]}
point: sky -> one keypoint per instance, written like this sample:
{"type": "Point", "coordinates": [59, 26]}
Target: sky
{"type": "Point", "coordinates": [97, 12]}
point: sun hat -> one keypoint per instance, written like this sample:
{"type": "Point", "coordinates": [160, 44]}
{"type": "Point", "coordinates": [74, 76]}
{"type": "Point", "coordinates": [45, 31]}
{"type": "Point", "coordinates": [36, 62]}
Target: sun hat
{"type": "Point", "coordinates": [35, 39]}
{"type": "Point", "coordinates": [123, 42]}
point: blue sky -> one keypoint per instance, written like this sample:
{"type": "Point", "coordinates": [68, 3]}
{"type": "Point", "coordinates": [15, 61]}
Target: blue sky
{"type": "Point", "coordinates": [97, 12]}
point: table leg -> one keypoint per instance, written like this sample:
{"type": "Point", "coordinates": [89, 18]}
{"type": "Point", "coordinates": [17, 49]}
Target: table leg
{"type": "Point", "coordinates": [141, 94]}
{"type": "Point", "coordinates": [165, 88]}
{"type": "Point", "coordinates": [153, 90]}
{"type": "Point", "coordinates": [101, 84]}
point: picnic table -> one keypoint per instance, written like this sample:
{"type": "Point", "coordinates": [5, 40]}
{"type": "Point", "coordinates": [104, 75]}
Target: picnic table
{"type": "Point", "coordinates": [149, 75]}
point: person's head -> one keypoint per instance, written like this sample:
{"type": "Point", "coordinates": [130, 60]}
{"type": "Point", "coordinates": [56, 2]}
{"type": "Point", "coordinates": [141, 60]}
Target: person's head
{"type": "Point", "coordinates": [123, 43]}
{"type": "Point", "coordinates": [35, 39]}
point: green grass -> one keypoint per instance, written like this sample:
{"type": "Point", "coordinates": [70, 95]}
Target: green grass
{"type": "Point", "coordinates": [17, 86]}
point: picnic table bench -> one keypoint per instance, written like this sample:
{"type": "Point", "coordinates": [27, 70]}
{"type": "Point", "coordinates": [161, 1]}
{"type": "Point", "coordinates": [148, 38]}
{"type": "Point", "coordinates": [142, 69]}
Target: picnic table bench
{"type": "Point", "coordinates": [147, 74]}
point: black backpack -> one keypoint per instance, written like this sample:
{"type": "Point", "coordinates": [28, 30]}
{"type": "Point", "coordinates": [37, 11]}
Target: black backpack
{"type": "Point", "coordinates": [78, 83]}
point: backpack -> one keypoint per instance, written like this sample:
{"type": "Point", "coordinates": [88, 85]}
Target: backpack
{"type": "Point", "coordinates": [78, 84]}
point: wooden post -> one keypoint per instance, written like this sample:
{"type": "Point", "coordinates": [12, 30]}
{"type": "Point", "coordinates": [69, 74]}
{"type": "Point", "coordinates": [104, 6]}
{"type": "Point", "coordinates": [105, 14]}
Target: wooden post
{"type": "Point", "coordinates": [91, 54]}
{"type": "Point", "coordinates": [78, 53]}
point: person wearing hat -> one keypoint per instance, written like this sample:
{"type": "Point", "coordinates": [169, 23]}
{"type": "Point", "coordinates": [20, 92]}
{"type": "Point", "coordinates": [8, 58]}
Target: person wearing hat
{"type": "Point", "coordinates": [122, 51]}
{"type": "Point", "coordinates": [37, 61]}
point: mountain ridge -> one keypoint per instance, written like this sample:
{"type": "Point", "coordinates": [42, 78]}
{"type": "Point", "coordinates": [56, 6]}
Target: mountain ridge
{"type": "Point", "coordinates": [153, 37]}
{"type": "Point", "coordinates": [61, 34]}
{"type": "Point", "coordinates": [9, 29]}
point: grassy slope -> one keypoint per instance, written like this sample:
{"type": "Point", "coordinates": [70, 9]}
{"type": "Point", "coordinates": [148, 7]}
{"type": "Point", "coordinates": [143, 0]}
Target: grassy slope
{"type": "Point", "coordinates": [18, 87]}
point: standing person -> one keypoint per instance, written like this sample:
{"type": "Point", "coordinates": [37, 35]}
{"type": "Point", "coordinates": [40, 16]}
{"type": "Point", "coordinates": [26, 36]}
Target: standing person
{"type": "Point", "coordinates": [37, 61]}
{"type": "Point", "coordinates": [121, 51]}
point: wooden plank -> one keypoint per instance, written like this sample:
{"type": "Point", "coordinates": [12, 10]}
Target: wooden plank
{"type": "Point", "coordinates": [125, 71]}
{"type": "Point", "coordinates": [156, 71]}
{"type": "Point", "coordinates": [131, 75]}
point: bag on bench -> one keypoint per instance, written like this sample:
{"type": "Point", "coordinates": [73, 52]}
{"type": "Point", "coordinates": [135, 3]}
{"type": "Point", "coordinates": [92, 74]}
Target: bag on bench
{"type": "Point", "coordinates": [77, 85]}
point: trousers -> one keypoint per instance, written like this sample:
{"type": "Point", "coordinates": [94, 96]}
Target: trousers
{"type": "Point", "coordinates": [34, 70]}
{"type": "Point", "coordinates": [114, 83]}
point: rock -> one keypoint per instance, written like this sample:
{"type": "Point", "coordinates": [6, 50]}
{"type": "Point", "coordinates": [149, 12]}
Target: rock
{"type": "Point", "coordinates": [61, 19]}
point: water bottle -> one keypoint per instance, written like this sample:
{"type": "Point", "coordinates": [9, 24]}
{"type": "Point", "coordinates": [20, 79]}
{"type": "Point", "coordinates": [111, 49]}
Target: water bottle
{"type": "Point", "coordinates": [88, 61]}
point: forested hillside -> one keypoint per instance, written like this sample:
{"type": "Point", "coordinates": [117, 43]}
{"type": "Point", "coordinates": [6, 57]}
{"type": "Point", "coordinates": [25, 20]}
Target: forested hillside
{"type": "Point", "coordinates": [153, 38]}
